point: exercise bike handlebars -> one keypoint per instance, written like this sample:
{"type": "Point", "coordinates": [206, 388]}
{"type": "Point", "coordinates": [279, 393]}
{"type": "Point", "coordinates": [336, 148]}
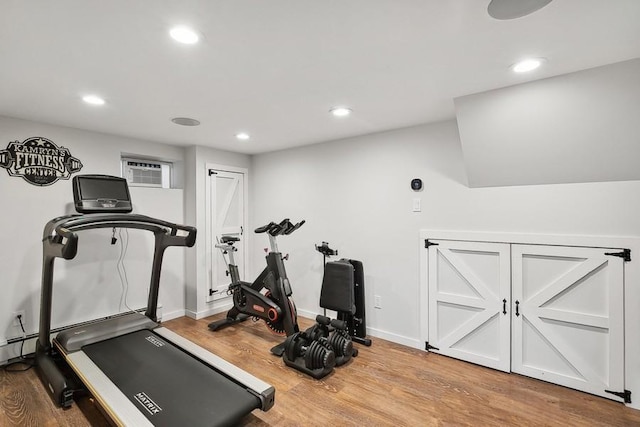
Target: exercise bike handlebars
{"type": "Point", "coordinates": [274, 229]}
{"type": "Point", "coordinates": [293, 228]}
{"type": "Point", "coordinates": [283, 227]}
{"type": "Point", "coordinates": [264, 228]}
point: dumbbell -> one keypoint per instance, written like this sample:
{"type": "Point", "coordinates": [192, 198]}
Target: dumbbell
{"type": "Point", "coordinates": [320, 329]}
{"type": "Point", "coordinates": [317, 354]}
{"type": "Point", "coordinates": [334, 333]}
{"type": "Point", "coordinates": [341, 342]}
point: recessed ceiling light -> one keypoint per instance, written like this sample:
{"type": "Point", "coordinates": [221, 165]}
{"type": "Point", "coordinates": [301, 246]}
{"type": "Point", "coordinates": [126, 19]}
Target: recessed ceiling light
{"type": "Point", "coordinates": [185, 121]}
{"type": "Point", "coordinates": [184, 35]}
{"type": "Point", "coordinates": [527, 65]}
{"type": "Point", "coordinates": [93, 100]}
{"type": "Point", "coordinates": [243, 136]}
{"type": "Point", "coordinates": [340, 111]}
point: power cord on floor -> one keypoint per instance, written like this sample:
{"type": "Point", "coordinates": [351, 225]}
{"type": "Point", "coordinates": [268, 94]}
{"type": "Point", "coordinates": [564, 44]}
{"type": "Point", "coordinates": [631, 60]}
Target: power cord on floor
{"type": "Point", "coordinates": [24, 361]}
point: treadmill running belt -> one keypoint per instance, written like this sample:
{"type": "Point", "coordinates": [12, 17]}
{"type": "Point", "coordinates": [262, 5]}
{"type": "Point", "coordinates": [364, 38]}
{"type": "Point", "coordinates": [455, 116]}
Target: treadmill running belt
{"type": "Point", "coordinates": [167, 385]}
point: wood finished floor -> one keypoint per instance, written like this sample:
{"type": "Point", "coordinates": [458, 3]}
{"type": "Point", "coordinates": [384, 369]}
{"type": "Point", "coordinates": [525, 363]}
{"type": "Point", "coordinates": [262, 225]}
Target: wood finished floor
{"type": "Point", "coordinates": [386, 385]}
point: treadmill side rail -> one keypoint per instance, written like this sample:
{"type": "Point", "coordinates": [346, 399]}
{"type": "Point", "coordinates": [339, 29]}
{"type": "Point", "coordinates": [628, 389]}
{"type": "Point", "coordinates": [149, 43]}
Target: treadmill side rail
{"type": "Point", "coordinates": [118, 407]}
{"type": "Point", "coordinates": [264, 391]}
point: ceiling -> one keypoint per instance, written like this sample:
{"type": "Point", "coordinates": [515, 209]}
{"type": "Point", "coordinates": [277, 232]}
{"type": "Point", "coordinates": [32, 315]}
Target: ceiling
{"type": "Point", "coordinates": [274, 68]}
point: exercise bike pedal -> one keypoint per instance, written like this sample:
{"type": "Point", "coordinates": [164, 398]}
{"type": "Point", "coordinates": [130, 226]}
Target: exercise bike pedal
{"type": "Point", "coordinates": [278, 350]}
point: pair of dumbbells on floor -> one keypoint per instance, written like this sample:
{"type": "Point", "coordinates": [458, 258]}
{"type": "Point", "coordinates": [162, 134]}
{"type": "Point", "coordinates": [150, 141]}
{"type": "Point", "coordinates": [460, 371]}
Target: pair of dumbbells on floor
{"type": "Point", "coordinates": [320, 348]}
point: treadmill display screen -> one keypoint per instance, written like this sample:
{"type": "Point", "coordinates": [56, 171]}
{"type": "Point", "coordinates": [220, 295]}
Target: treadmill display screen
{"type": "Point", "coordinates": [101, 193]}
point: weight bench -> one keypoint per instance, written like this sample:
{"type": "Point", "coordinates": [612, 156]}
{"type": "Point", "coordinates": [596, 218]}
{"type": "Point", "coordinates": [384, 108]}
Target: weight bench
{"type": "Point", "coordinates": [343, 292]}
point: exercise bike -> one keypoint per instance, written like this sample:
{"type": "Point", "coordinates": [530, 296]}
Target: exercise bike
{"type": "Point", "coordinates": [269, 296]}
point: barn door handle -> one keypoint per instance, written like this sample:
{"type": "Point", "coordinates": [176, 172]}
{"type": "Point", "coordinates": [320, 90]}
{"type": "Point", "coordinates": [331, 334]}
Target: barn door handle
{"type": "Point", "coordinates": [504, 306]}
{"type": "Point", "coordinates": [241, 230]}
{"type": "Point", "coordinates": [517, 308]}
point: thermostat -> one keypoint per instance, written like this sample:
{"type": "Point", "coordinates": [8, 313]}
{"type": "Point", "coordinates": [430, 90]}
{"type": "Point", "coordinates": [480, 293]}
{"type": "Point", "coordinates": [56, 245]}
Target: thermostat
{"type": "Point", "coordinates": [416, 184]}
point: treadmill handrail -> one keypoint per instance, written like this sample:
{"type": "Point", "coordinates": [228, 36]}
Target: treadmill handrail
{"type": "Point", "coordinates": [64, 227]}
{"type": "Point", "coordinates": [60, 240]}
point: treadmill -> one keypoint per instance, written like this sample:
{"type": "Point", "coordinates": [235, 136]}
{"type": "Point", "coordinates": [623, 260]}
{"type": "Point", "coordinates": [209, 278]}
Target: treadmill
{"type": "Point", "coordinates": [139, 372]}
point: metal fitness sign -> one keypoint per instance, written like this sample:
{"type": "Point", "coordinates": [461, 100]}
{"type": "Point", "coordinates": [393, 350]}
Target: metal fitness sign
{"type": "Point", "coordinates": [38, 161]}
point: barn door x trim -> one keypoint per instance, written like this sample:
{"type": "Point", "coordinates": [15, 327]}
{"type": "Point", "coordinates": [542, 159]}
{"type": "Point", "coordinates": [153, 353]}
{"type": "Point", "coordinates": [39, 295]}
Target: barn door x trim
{"type": "Point", "coordinates": [631, 292]}
{"type": "Point", "coordinates": [211, 171]}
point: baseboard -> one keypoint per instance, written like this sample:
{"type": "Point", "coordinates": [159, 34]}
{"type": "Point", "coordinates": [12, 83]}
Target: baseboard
{"type": "Point", "coordinates": [395, 338]}
{"type": "Point", "coordinates": [372, 332]}
{"type": "Point", "coordinates": [197, 315]}
{"type": "Point", "coordinates": [173, 315]}
{"type": "Point", "coordinates": [308, 314]}
{"type": "Point", "coordinates": [3, 352]}
{"type": "Point", "coordinates": [12, 351]}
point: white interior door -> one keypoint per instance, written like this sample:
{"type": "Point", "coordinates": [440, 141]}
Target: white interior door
{"type": "Point", "coordinates": [569, 326]}
{"type": "Point", "coordinates": [469, 294]}
{"type": "Point", "coordinates": [227, 219]}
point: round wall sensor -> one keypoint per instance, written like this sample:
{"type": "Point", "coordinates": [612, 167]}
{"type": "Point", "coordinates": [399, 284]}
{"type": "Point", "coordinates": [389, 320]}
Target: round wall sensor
{"type": "Point", "coordinates": [416, 184]}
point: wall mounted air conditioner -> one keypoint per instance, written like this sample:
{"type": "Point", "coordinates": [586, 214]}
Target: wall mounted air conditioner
{"type": "Point", "coordinates": [147, 173]}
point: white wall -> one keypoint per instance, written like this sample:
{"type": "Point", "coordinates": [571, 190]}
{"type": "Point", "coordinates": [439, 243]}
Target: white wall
{"type": "Point", "coordinates": [88, 286]}
{"type": "Point", "coordinates": [355, 194]}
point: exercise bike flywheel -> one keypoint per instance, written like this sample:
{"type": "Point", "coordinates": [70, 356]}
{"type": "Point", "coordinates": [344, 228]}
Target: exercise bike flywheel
{"type": "Point", "coordinates": [277, 326]}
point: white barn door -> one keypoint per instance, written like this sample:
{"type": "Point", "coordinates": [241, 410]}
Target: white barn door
{"type": "Point", "coordinates": [469, 294]}
{"type": "Point", "coordinates": [568, 328]}
{"type": "Point", "coordinates": [227, 217]}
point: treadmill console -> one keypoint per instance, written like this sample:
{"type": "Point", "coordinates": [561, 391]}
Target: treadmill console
{"type": "Point", "coordinates": [101, 193]}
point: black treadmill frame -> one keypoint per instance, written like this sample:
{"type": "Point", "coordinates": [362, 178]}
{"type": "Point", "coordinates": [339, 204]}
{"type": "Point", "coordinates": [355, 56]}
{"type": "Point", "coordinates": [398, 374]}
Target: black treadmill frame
{"type": "Point", "coordinates": [54, 358]}
{"type": "Point", "coordinates": [60, 240]}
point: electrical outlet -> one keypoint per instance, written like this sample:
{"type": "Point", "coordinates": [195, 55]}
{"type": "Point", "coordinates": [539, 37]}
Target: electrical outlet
{"type": "Point", "coordinates": [377, 301]}
{"type": "Point", "coordinates": [15, 315]}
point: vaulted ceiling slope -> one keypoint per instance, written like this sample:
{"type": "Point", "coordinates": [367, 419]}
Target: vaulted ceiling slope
{"type": "Point", "coordinates": [274, 69]}
{"type": "Point", "coordinates": [577, 127]}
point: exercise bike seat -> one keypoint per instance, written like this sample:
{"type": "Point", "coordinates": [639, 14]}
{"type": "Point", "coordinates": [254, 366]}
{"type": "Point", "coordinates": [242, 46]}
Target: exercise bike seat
{"type": "Point", "coordinates": [229, 239]}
